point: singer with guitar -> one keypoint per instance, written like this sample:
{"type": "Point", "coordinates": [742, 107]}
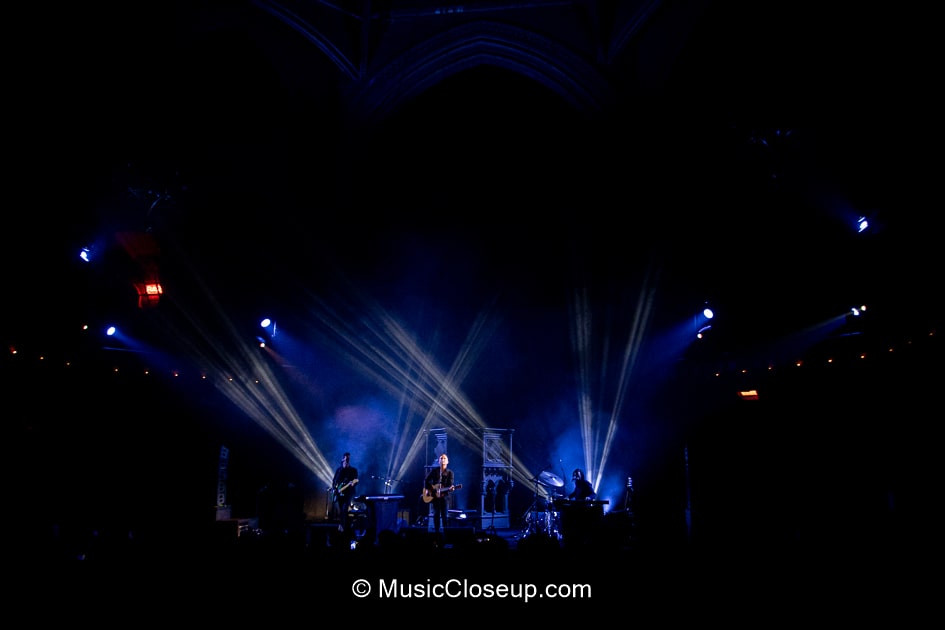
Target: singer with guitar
{"type": "Point", "coordinates": [343, 486]}
{"type": "Point", "coordinates": [437, 488]}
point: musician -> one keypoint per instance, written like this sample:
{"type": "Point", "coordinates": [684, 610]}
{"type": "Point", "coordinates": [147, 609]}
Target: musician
{"type": "Point", "coordinates": [581, 516]}
{"type": "Point", "coordinates": [343, 486]}
{"type": "Point", "coordinates": [438, 485]}
{"type": "Point", "coordinates": [583, 490]}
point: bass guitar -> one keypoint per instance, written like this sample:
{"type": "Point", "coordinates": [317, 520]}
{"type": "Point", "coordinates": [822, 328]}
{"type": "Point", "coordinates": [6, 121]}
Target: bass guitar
{"type": "Point", "coordinates": [438, 492]}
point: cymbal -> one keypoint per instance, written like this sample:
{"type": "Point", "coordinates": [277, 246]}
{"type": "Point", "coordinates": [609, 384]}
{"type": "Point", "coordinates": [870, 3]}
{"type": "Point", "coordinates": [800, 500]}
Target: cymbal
{"type": "Point", "coordinates": [548, 478]}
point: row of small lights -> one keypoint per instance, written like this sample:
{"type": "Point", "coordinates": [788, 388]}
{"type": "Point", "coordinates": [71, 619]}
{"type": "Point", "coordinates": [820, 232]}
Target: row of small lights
{"type": "Point", "coordinates": [798, 363]}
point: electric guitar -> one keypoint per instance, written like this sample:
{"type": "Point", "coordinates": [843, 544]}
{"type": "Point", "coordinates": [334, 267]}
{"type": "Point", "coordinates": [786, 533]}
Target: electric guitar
{"type": "Point", "coordinates": [342, 487]}
{"type": "Point", "coordinates": [429, 496]}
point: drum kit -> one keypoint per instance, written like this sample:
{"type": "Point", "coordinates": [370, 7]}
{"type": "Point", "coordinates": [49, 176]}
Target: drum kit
{"type": "Point", "coordinates": [542, 518]}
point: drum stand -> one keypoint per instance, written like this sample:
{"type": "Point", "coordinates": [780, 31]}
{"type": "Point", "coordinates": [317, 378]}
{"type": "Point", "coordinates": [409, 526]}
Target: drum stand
{"type": "Point", "coordinates": [549, 526]}
{"type": "Point", "coordinates": [531, 508]}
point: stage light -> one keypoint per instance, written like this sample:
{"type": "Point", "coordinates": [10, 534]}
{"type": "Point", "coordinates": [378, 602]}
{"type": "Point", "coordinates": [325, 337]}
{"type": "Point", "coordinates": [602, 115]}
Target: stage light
{"type": "Point", "coordinates": [861, 224]}
{"type": "Point", "coordinates": [701, 326]}
{"type": "Point", "coordinates": [856, 311]}
{"type": "Point", "coordinates": [110, 331]}
{"type": "Point", "coordinates": [92, 252]}
{"type": "Point", "coordinates": [269, 325]}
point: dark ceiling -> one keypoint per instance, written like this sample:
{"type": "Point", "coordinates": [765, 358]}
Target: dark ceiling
{"type": "Point", "coordinates": [748, 136]}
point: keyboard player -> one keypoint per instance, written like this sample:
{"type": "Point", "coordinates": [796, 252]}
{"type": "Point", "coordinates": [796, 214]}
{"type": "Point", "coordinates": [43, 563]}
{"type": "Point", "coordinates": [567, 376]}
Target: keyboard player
{"type": "Point", "coordinates": [580, 514]}
{"type": "Point", "coordinates": [583, 490]}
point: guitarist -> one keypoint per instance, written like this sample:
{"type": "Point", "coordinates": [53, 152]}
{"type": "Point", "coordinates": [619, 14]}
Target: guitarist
{"type": "Point", "coordinates": [343, 490]}
{"type": "Point", "coordinates": [438, 485]}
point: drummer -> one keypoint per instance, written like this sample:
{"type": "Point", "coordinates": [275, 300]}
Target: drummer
{"type": "Point", "coordinates": [583, 490]}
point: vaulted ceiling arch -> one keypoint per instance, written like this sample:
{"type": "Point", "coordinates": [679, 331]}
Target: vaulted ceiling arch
{"type": "Point", "coordinates": [469, 45]}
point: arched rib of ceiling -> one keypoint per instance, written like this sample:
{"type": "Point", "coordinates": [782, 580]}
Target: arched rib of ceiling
{"type": "Point", "coordinates": [470, 45]}
{"type": "Point", "coordinates": [320, 40]}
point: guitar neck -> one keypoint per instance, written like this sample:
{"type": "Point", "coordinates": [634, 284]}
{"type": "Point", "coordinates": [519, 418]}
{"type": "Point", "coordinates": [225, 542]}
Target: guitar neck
{"type": "Point", "coordinates": [448, 489]}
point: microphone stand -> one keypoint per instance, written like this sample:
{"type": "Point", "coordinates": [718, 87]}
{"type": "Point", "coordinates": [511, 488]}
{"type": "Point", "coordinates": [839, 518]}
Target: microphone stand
{"type": "Point", "coordinates": [387, 483]}
{"type": "Point", "coordinates": [491, 528]}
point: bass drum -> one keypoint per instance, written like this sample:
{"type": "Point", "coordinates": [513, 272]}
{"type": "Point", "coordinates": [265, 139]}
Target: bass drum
{"type": "Point", "coordinates": [543, 523]}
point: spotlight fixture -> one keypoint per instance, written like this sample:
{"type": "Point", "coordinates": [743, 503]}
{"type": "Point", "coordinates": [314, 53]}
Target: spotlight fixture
{"type": "Point", "coordinates": [269, 325]}
{"type": "Point", "coordinates": [92, 251]}
{"type": "Point", "coordinates": [702, 327]}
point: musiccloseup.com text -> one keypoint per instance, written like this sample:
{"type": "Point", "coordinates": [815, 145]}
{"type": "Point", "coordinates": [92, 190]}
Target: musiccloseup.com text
{"type": "Point", "coordinates": [463, 588]}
